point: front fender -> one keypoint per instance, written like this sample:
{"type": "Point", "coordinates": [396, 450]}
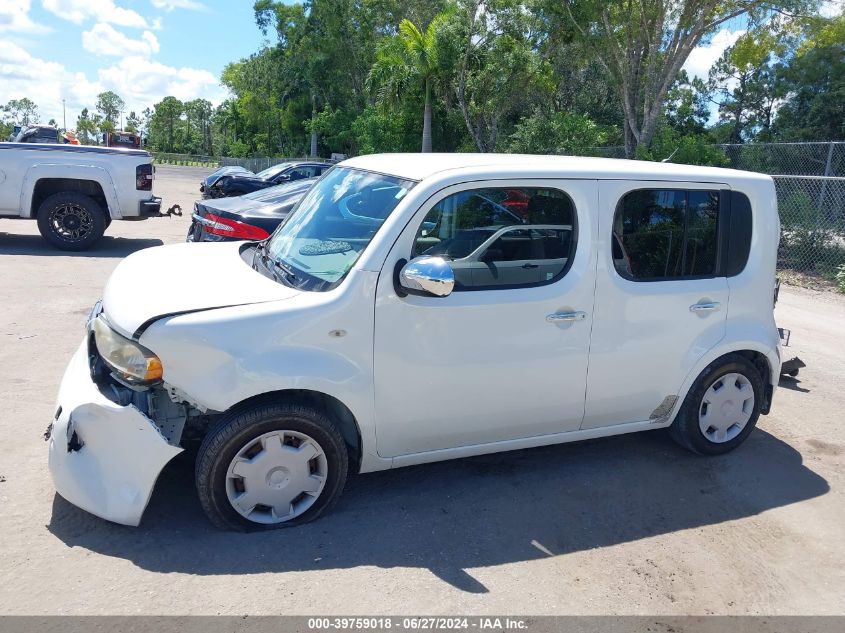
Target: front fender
{"type": "Point", "coordinates": [74, 172]}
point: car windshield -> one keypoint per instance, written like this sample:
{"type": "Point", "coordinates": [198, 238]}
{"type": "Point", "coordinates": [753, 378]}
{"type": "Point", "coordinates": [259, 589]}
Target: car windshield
{"type": "Point", "coordinates": [321, 240]}
{"type": "Point", "coordinates": [268, 173]}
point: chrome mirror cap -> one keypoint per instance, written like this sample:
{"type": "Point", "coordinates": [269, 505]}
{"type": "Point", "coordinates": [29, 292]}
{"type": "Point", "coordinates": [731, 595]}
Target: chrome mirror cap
{"type": "Point", "coordinates": [428, 275]}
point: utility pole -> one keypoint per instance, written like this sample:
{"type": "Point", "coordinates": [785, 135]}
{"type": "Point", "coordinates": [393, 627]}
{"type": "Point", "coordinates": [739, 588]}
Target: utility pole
{"type": "Point", "coordinates": [64, 116]}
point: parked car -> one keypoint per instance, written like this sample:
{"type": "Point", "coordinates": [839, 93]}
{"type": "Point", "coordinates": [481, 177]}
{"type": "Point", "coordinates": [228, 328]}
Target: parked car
{"type": "Point", "coordinates": [349, 341]}
{"type": "Point", "coordinates": [75, 191]}
{"type": "Point", "coordinates": [224, 184]}
{"type": "Point", "coordinates": [253, 216]}
{"type": "Point", "coordinates": [37, 134]}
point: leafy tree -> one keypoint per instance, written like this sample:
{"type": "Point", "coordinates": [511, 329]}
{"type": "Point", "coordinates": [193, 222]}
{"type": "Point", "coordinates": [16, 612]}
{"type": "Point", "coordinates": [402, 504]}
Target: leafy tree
{"type": "Point", "coordinates": [165, 123]}
{"type": "Point", "coordinates": [557, 133]}
{"type": "Point", "coordinates": [743, 87]}
{"type": "Point", "coordinates": [109, 105]}
{"type": "Point", "coordinates": [22, 111]}
{"type": "Point", "coordinates": [814, 81]}
{"type": "Point", "coordinates": [644, 43]}
{"type": "Point", "coordinates": [86, 128]}
{"type": "Point", "coordinates": [406, 62]}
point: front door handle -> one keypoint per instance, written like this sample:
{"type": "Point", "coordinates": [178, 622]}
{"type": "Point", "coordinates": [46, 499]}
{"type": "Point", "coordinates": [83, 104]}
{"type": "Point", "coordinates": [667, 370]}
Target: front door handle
{"type": "Point", "coordinates": [705, 306]}
{"type": "Point", "coordinates": [563, 317]}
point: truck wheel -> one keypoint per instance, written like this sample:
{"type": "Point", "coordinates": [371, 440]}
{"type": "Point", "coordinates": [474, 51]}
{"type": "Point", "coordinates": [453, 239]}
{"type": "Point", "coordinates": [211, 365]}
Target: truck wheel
{"type": "Point", "coordinates": [270, 466]}
{"type": "Point", "coordinates": [722, 407]}
{"type": "Point", "coordinates": [71, 221]}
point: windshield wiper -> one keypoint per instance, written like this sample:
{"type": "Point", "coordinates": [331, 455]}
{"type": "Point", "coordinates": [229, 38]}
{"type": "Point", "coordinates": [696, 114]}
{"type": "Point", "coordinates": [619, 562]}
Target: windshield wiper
{"type": "Point", "coordinates": [287, 276]}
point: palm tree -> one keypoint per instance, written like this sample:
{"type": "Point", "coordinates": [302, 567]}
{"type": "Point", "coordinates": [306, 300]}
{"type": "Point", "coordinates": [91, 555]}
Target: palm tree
{"type": "Point", "coordinates": [405, 62]}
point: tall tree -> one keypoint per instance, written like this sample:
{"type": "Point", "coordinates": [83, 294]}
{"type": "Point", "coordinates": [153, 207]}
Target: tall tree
{"type": "Point", "coordinates": [86, 128]}
{"type": "Point", "coordinates": [644, 43]}
{"type": "Point", "coordinates": [22, 111]}
{"type": "Point", "coordinates": [407, 62]}
{"type": "Point", "coordinates": [110, 105]}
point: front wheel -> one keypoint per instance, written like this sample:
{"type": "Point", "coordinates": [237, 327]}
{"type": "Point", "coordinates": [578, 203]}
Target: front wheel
{"type": "Point", "coordinates": [722, 407]}
{"type": "Point", "coordinates": [71, 221]}
{"type": "Point", "coordinates": [270, 466]}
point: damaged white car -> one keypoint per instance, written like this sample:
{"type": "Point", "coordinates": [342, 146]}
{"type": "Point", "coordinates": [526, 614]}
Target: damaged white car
{"type": "Point", "coordinates": [416, 308]}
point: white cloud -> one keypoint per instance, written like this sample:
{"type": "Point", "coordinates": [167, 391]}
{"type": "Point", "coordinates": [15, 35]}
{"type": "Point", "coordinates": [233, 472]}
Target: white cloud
{"type": "Point", "coordinates": [77, 11]}
{"type": "Point", "coordinates": [831, 8]}
{"type": "Point", "coordinates": [702, 58]}
{"type": "Point", "coordinates": [139, 81]}
{"type": "Point", "coordinates": [104, 39]}
{"type": "Point", "coordinates": [169, 5]}
{"type": "Point", "coordinates": [14, 17]}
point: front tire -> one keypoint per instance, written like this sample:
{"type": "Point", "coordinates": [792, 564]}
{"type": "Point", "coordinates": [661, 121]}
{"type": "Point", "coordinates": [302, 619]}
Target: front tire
{"type": "Point", "coordinates": [722, 407]}
{"type": "Point", "coordinates": [71, 221]}
{"type": "Point", "coordinates": [269, 466]}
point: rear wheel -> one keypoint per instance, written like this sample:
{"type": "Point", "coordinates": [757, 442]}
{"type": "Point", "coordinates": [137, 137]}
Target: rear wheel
{"type": "Point", "coordinates": [71, 221]}
{"type": "Point", "coordinates": [722, 407]}
{"type": "Point", "coordinates": [271, 466]}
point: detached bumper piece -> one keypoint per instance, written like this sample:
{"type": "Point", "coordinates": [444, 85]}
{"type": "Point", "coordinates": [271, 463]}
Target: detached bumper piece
{"type": "Point", "coordinates": [104, 457]}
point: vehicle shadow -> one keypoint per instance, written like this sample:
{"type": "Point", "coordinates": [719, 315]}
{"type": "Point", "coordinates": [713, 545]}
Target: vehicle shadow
{"type": "Point", "coordinates": [482, 511]}
{"type": "Point", "coordinates": [108, 246]}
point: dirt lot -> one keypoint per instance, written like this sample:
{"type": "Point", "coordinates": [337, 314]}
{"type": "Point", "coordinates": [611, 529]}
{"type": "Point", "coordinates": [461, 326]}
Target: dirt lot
{"type": "Point", "coordinates": [627, 525]}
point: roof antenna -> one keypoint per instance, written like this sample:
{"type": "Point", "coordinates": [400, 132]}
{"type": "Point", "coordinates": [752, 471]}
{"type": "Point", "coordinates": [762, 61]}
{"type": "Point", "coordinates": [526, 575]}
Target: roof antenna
{"type": "Point", "coordinates": [669, 157]}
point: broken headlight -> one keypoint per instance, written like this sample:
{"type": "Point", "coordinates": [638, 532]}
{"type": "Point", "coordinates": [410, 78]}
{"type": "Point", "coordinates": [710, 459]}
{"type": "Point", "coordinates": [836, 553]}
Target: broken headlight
{"type": "Point", "coordinates": [129, 360]}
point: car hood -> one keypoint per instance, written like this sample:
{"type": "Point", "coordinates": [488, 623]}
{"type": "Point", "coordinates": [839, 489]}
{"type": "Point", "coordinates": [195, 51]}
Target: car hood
{"type": "Point", "coordinates": [168, 280]}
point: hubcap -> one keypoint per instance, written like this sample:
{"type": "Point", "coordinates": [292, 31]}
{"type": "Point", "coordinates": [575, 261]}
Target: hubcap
{"type": "Point", "coordinates": [276, 477]}
{"type": "Point", "coordinates": [726, 408]}
{"type": "Point", "coordinates": [71, 222]}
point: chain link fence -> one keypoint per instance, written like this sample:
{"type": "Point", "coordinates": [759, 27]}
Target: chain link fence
{"type": "Point", "coordinates": [812, 217]}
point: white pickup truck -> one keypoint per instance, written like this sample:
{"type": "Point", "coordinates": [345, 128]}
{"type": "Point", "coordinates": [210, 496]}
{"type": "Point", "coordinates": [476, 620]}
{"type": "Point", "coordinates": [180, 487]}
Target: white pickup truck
{"type": "Point", "coordinates": [75, 191]}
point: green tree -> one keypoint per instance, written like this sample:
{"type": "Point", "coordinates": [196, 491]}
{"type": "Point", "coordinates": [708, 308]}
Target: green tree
{"type": "Point", "coordinates": [644, 43]}
{"type": "Point", "coordinates": [22, 111]}
{"type": "Point", "coordinates": [164, 124]}
{"type": "Point", "coordinates": [86, 128]}
{"type": "Point", "coordinates": [109, 105]}
{"type": "Point", "coordinates": [407, 62]}
{"type": "Point", "coordinates": [813, 77]}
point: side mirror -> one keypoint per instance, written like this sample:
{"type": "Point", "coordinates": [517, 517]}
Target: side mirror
{"type": "Point", "coordinates": [427, 276]}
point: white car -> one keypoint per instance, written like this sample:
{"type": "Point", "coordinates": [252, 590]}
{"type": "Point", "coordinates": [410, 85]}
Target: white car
{"type": "Point", "coordinates": [416, 308]}
{"type": "Point", "coordinates": [75, 191]}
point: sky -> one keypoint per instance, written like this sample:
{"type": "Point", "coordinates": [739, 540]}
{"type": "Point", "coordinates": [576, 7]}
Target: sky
{"type": "Point", "coordinates": [144, 50]}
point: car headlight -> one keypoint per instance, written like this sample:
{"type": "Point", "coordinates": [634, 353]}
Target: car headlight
{"type": "Point", "coordinates": [131, 361]}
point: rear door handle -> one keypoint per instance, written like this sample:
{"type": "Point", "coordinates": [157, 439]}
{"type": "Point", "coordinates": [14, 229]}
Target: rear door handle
{"type": "Point", "coordinates": [707, 306]}
{"type": "Point", "coordinates": [563, 317]}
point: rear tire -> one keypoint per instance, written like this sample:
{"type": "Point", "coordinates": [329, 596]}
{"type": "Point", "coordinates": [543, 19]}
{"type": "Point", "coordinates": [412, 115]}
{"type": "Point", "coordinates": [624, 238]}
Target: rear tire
{"type": "Point", "coordinates": [71, 221]}
{"type": "Point", "coordinates": [269, 466]}
{"type": "Point", "coordinates": [722, 407]}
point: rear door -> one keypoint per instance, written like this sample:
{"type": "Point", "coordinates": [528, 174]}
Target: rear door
{"type": "Point", "coordinates": [660, 303]}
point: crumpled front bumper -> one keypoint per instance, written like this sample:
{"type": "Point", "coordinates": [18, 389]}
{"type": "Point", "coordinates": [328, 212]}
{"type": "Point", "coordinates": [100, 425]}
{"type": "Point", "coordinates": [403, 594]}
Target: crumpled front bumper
{"type": "Point", "coordinates": [104, 457]}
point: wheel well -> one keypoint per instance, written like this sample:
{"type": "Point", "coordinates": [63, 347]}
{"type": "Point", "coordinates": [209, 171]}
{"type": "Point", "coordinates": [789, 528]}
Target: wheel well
{"type": "Point", "coordinates": [761, 363]}
{"type": "Point", "coordinates": [46, 187]}
{"type": "Point", "coordinates": [334, 408]}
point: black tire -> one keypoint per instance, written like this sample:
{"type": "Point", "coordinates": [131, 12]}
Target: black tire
{"type": "Point", "coordinates": [685, 429]}
{"type": "Point", "coordinates": [241, 428]}
{"type": "Point", "coordinates": [71, 221]}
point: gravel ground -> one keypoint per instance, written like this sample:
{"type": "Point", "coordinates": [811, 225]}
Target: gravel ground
{"type": "Point", "coordinates": [626, 525]}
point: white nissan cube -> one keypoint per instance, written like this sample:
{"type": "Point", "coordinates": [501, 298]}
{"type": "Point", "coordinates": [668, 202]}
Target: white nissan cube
{"type": "Point", "coordinates": [422, 307]}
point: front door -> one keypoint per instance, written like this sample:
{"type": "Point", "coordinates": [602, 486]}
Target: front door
{"type": "Point", "coordinates": [661, 300]}
{"type": "Point", "coordinates": [505, 355]}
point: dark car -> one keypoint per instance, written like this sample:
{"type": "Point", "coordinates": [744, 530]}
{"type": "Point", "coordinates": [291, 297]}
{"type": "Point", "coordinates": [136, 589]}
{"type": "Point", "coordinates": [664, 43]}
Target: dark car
{"type": "Point", "coordinates": [38, 134]}
{"type": "Point", "coordinates": [253, 216]}
{"type": "Point", "coordinates": [238, 181]}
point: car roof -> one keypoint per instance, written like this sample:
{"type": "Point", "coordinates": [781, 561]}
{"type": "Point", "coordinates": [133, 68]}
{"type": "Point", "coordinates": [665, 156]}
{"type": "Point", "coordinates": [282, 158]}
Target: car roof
{"type": "Point", "coordinates": [421, 166]}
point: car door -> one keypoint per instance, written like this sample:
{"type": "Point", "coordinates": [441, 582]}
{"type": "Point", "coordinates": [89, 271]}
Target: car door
{"type": "Point", "coordinates": [489, 362]}
{"type": "Point", "coordinates": [661, 301]}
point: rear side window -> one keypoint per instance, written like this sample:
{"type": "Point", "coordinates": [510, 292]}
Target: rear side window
{"type": "Point", "coordinates": [666, 234]}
